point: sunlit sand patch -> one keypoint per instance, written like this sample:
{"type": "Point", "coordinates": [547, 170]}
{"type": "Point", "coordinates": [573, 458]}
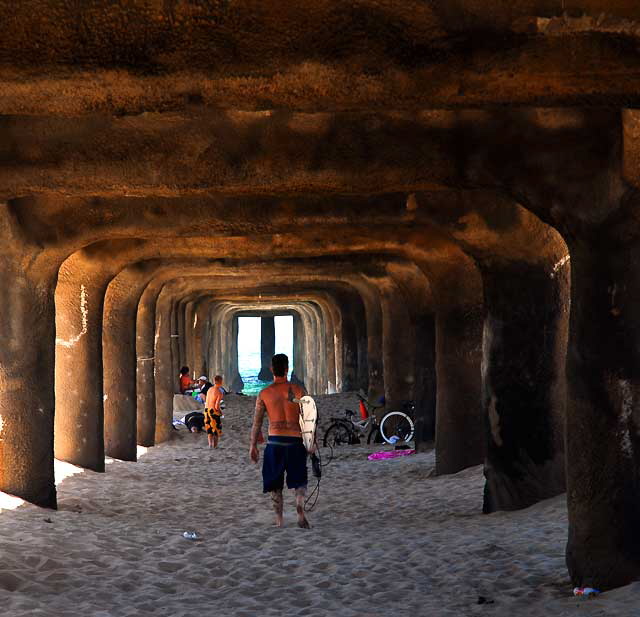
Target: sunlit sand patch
{"type": "Point", "coordinates": [140, 451]}
{"type": "Point", "coordinates": [63, 470]}
{"type": "Point", "coordinates": [9, 502]}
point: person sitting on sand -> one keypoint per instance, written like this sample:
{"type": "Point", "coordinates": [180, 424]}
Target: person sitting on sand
{"type": "Point", "coordinates": [213, 412]}
{"type": "Point", "coordinates": [194, 421]}
{"type": "Point", "coordinates": [204, 385]}
{"type": "Point", "coordinates": [186, 383]}
{"type": "Point", "coordinates": [285, 451]}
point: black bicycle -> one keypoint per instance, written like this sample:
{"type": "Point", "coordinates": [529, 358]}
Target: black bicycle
{"type": "Point", "coordinates": [395, 428]}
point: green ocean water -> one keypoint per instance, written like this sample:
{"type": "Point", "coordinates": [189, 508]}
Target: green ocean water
{"type": "Point", "coordinates": [249, 365]}
{"type": "Point", "coordinates": [249, 349]}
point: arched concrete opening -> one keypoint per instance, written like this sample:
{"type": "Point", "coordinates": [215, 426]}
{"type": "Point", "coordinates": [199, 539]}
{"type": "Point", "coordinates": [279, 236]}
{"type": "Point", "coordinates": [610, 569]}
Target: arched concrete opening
{"type": "Point", "coordinates": [433, 196]}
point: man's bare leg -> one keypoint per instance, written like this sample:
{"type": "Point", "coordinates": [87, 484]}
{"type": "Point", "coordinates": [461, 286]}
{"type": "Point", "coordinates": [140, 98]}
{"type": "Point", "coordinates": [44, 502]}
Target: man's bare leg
{"type": "Point", "coordinates": [210, 439]}
{"type": "Point", "coordinates": [215, 440]}
{"type": "Point", "coordinates": [277, 501]}
{"type": "Point", "coordinates": [302, 519]}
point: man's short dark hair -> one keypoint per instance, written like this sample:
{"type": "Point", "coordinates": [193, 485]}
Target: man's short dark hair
{"type": "Point", "coordinates": [279, 365]}
{"type": "Point", "coordinates": [184, 370]}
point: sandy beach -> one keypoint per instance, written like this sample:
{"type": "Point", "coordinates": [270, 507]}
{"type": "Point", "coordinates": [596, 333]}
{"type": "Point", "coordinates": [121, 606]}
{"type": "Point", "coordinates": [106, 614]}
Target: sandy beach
{"type": "Point", "coordinates": [388, 538]}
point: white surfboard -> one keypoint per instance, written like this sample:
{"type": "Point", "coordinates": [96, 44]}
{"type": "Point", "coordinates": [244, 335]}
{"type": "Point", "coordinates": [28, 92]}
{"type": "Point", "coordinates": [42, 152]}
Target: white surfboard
{"type": "Point", "coordinates": [308, 419]}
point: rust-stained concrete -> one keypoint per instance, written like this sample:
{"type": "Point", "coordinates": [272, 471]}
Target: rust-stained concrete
{"type": "Point", "coordinates": [444, 195]}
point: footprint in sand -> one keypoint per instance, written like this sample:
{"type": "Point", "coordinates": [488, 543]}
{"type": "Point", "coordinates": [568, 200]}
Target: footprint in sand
{"type": "Point", "coordinates": [167, 566]}
{"type": "Point", "coordinates": [10, 582]}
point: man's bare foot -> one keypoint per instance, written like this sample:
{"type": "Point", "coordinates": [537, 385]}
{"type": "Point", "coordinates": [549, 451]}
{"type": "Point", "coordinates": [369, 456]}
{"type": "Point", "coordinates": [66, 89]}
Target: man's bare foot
{"type": "Point", "coordinates": [279, 521]}
{"type": "Point", "coordinates": [303, 523]}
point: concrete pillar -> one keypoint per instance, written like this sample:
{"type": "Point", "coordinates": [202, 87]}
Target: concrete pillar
{"type": "Point", "coordinates": [311, 347]}
{"type": "Point", "coordinates": [349, 347]}
{"type": "Point", "coordinates": [199, 323]}
{"type": "Point", "coordinates": [176, 344]}
{"type": "Point", "coordinates": [298, 370]}
{"type": "Point", "coordinates": [398, 347]}
{"type": "Point", "coordinates": [327, 357]}
{"type": "Point", "coordinates": [216, 346]}
{"type": "Point", "coordinates": [119, 363]}
{"type": "Point", "coordinates": [79, 418]}
{"type": "Point", "coordinates": [267, 347]}
{"type": "Point", "coordinates": [460, 431]}
{"type": "Point", "coordinates": [145, 374]}
{"type": "Point", "coordinates": [228, 346]}
{"type": "Point", "coordinates": [27, 331]}
{"type": "Point", "coordinates": [363, 346]}
{"type": "Point", "coordinates": [317, 350]}
{"type": "Point", "coordinates": [603, 409]}
{"type": "Point", "coordinates": [425, 388]}
{"type": "Point", "coordinates": [373, 313]}
{"type": "Point", "coordinates": [524, 343]}
{"type": "Point", "coordinates": [164, 376]}
{"type": "Point", "coordinates": [235, 380]}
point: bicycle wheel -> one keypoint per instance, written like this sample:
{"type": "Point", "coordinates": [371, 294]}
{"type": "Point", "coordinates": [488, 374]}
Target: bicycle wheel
{"type": "Point", "coordinates": [337, 435]}
{"type": "Point", "coordinates": [396, 428]}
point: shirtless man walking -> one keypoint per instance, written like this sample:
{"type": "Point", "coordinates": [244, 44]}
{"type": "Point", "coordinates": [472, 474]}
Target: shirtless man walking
{"type": "Point", "coordinates": [285, 451]}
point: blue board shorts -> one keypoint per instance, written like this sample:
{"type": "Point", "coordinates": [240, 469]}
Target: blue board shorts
{"type": "Point", "coordinates": [284, 455]}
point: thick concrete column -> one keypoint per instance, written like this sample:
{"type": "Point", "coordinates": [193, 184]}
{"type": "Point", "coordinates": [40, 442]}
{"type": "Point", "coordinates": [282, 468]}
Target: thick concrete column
{"type": "Point", "coordinates": [27, 331]}
{"type": "Point", "coordinates": [207, 338]}
{"type": "Point", "coordinates": [363, 344]}
{"type": "Point", "coordinates": [460, 431]}
{"type": "Point", "coordinates": [311, 349]}
{"type": "Point", "coordinates": [217, 342]}
{"type": "Point", "coordinates": [332, 343]}
{"type": "Point", "coordinates": [176, 344]}
{"type": "Point", "coordinates": [398, 349]}
{"type": "Point", "coordinates": [164, 377]}
{"type": "Point", "coordinates": [523, 366]}
{"type": "Point", "coordinates": [199, 319]}
{"type": "Point", "coordinates": [185, 312]}
{"type": "Point", "coordinates": [375, 366]}
{"type": "Point", "coordinates": [228, 345]}
{"type": "Point", "coordinates": [332, 328]}
{"type": "Point", "coordinates": [603, 409]}
{"type": "Point", "coordinates": [79, 418]}
{"type": "Point", "coordinates": [120, 362]}
{"type": "Point", "coordinates": [267, 347]}
{"type": "Point", "coordinates": [193, 355]}
{"type": "Point", "coordinates": [349, 346]}
{"type": "Point", "coordinates": [145, 374]}
{"type": "Point", "coordinates": [326, 358]}
{"type": "Point", "coordinates": [425, 380]}
{"type": "Point", "coordinates": [235, 380]}
{"type": "Point", "coordinates": [316, 349]}
{"type": "Point", "coordinates": [298, 348]}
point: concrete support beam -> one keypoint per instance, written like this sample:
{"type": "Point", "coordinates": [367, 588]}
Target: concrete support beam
{"type": "Point", "coordinates": [267, 347]}
{"type": "Point", "coordinates": [27, 329]}
{"type": "Point", "coordinates": [523, 387]}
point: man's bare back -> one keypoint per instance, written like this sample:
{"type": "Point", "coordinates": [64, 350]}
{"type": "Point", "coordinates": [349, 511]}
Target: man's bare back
{"type": "Point", "coordinates": [283, 413]}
